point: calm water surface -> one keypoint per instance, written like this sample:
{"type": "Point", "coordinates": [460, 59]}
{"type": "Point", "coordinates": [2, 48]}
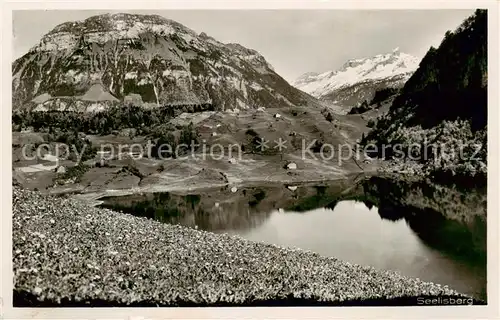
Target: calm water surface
{"type": "Point", "coordinates": [434, 233]}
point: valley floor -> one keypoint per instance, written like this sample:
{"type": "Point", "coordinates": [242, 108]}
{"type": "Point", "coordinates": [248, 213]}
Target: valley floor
{"type": "Point", "coordinates": [298, 127]}
{"type": "Point", "coordinates": [178, 175]}
{"type": "Point", "coordinates": [67, 253]}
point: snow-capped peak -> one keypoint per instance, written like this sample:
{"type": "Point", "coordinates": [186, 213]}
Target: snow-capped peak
{"type": "Point", "coordinates": [379, 67]}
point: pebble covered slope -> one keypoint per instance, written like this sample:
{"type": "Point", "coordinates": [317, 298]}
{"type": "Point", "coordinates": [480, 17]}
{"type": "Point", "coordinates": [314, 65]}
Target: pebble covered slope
{"type": "Point", "coordinates": [68, 253]}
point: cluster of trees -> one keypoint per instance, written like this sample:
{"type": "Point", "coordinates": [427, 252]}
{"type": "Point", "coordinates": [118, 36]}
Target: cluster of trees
{"type": "Point", "coordinates": [66, 128]}
{"type": "Point", "coordinates": [114, 118]}
{"type": "Point", "coordinates": [361, 108]}
{"type": "Point", "coordinates": [254, 141]}
{"type": "Point", "coordinates": [382, 95]}
{"type": "Point", "coordinates": [170, 142]}
{"type": "Point", "coordinates": [449, 147]}
{"type": "Point", "coordinates": [76, 142]}
{"type": "Point", "coordinates": [73, 174]}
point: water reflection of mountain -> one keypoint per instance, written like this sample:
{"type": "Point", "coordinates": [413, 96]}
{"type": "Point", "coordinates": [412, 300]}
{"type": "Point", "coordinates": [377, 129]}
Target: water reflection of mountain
{"type": "Point", "coordinates": [212, 213]}
{"type": "Point", "coordinates": [445, 218]}
{"type": "Point", "coordinates": [220, 210]}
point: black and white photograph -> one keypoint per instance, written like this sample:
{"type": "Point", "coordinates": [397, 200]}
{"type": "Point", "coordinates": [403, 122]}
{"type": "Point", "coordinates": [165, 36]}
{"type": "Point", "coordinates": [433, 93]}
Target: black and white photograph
{"type": "Point", "coordinates": [250, 158]}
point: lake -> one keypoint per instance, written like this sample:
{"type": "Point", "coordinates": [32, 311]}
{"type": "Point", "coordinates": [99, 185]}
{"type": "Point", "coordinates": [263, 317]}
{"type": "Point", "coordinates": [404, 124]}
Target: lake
{"type": "Point", "coordinates": [435, 233]}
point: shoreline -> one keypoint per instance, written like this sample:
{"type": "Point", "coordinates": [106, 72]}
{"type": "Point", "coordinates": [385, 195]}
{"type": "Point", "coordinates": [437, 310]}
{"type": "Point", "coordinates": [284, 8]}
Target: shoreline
{"type": "Point", "coordinates": [93, 197]}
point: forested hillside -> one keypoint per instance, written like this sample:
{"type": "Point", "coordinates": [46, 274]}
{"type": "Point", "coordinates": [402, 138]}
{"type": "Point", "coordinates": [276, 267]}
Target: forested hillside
{"type": "Point", "coordinates": [443, 107]}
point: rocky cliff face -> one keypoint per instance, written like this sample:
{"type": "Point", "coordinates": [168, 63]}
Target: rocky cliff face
{"type": "Point", "coordinates": [159, 59]}
{"type": "Point", "coordinates": [359, 79]}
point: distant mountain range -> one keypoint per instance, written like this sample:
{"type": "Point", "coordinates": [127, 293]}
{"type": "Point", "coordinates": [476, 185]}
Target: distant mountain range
{"type": "Point", "coordinates": [359, 79]}
{"type": "Point", "coordinates": [150, 60]}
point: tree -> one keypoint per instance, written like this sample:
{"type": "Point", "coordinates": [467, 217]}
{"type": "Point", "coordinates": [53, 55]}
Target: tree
{"type": "Point", "coordinates": [188, 135]}
{"type": "Point", "coordinates": [329, 117]}
{"type": "Point", "coordinates": [165, 146]}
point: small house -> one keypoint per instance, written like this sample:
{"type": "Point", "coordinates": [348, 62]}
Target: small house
{"type": "Point", "coordinates": [61, 169]}
{"type": "Point", "coordinates": [291, 166]}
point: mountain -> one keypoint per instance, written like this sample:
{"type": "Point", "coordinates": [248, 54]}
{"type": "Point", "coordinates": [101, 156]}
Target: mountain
{"type": "Point", "coordinates": [443, 106]}
{"type": "Point", "coordinates": [359, 79]}
{"type": "Point", "coordinates": [151, 60]}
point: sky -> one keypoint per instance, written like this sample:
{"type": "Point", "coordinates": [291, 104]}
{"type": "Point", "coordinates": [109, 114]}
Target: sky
{"type": "Point", "coordinates": [293, 41]}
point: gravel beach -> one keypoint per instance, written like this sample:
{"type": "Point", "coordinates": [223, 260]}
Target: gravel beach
{"type": "Point", "coordinates": [68, 253]}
